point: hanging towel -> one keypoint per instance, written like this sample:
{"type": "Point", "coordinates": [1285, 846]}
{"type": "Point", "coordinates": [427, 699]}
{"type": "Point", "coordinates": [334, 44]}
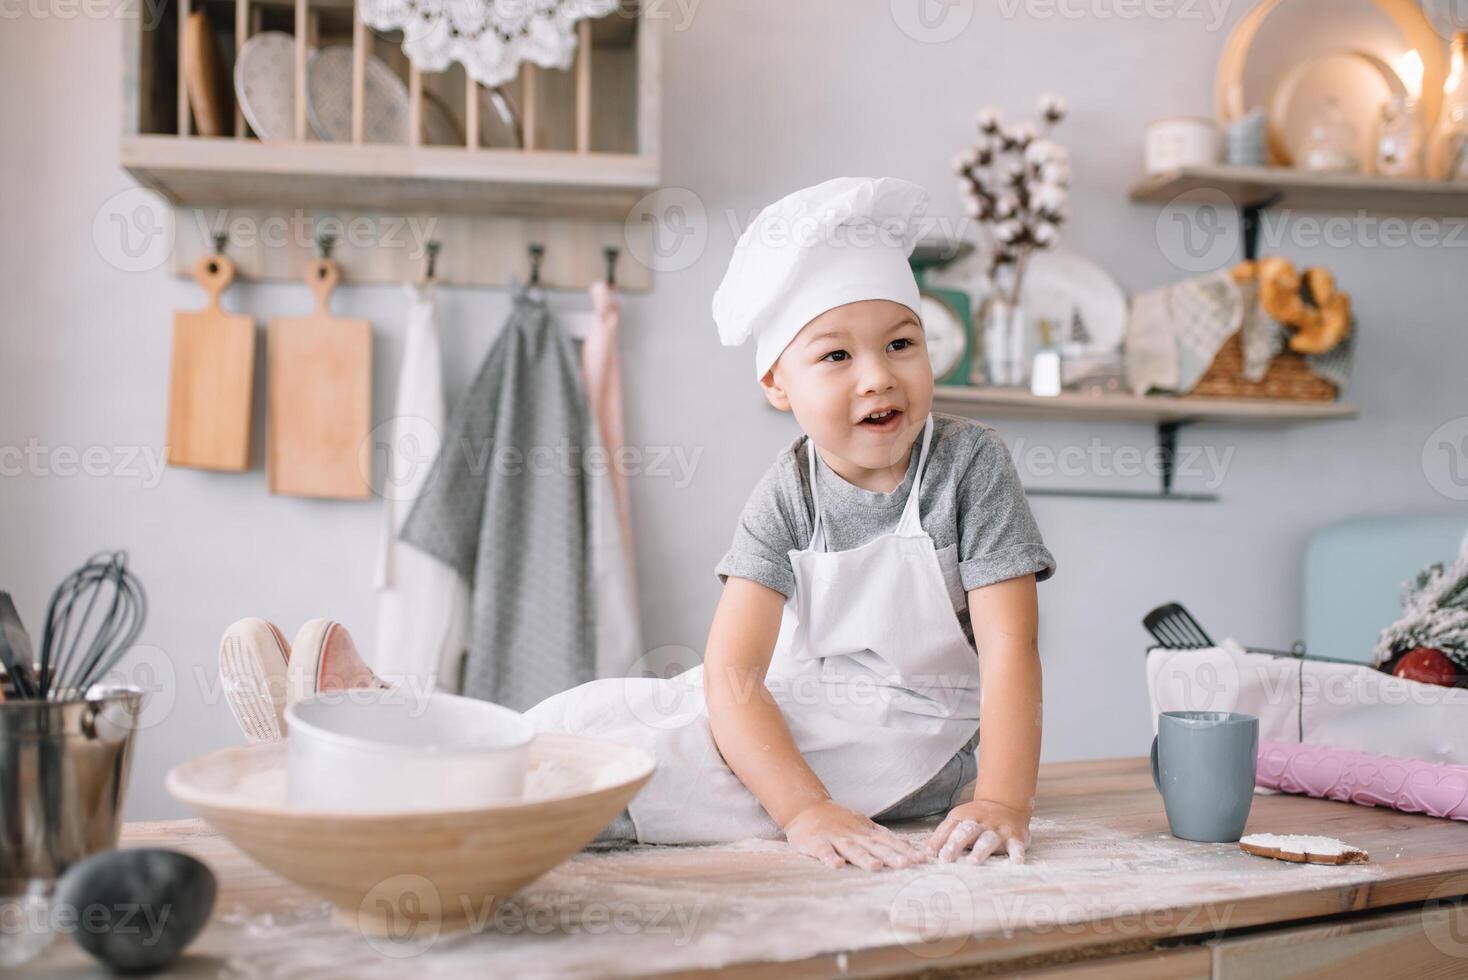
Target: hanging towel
{"type": "Point", "coordinates": [603, 373]}
{"type": "Point", "coordinates": [618, 635]}
{"type": "Point", "coordinates": [422, 604]}
{"type": "Point", "coordinates": [507, 505]}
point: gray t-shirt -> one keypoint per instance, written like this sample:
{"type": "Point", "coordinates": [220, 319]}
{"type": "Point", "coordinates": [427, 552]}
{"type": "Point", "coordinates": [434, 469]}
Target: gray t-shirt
{"type": "Point", "coordinates": [971, 495]}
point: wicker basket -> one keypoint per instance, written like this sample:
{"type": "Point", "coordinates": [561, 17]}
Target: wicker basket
{"type": "Point", "coordinates": [1289, 378]}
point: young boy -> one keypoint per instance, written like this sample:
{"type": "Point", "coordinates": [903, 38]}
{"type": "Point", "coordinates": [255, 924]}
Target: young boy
{"type": "Point", "coordinates": [881, 551]}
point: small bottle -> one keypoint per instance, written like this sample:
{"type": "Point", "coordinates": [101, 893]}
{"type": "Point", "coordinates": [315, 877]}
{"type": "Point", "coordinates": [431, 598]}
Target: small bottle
{"type": "Point", "coordinates": [1331, 147]}
{"type": "Point", "coordinates": [1045, 375]}
{"type": "Point", "coordinates": [1399, 139]}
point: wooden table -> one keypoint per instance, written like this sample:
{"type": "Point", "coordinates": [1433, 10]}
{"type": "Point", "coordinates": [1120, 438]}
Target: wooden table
{"type": "Point", "coordinates": [1107, 891]}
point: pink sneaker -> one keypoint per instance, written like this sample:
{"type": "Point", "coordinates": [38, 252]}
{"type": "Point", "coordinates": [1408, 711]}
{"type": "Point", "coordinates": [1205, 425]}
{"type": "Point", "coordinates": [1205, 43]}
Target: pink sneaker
{"type": "Point", "coordinates": [324, 658]}
{"type": "Point", "coordinates": [253, 670]}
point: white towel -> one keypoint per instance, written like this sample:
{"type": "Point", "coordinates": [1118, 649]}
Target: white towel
{"type": "Point", "coordinates": [422, 603]}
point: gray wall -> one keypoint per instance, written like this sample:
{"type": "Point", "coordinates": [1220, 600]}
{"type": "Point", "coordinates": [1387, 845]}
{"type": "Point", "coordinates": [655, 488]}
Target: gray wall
{"type": "Point", "coordinates": [761, 97]}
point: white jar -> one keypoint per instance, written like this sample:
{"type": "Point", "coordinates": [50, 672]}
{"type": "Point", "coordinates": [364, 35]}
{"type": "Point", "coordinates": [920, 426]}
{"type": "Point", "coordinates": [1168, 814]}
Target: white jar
{"type": "Point", "coordinates": [1181, 142]}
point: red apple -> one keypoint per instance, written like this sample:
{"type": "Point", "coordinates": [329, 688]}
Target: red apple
{"type": "Point", "coordinates": [1427, 666]}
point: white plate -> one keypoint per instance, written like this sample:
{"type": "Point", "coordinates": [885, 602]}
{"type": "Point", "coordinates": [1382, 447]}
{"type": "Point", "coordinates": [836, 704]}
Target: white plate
{"type": "Point", "coordinates": [1060, 284]}
{"type": "Point", "coordinates": [329, 98]}
{"type": "Point", "coordinates": [1057, 283]}
{"type": "Point", "coordinates": [945, 335]}
{"type": "Point", "coordinates": [265, 84]}
{"type": "Point", "coordinates": [1358, 80]}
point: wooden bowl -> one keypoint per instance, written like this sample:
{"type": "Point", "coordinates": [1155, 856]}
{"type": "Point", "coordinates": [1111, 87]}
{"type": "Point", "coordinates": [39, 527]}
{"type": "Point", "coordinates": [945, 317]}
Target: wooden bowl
{"type": "Point", "coordinates": [441, 870]}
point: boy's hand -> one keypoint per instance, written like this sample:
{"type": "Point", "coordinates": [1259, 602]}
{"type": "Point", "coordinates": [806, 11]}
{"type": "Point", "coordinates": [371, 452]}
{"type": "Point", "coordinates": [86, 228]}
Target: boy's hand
{"type": "Point", "coordinates": [835, 835]}
{"type": "Point", "coordinates": [985, 826]}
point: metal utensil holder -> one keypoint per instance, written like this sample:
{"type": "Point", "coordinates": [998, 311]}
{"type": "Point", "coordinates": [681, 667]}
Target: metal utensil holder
{"type": "Point", "coordinates": [63, 777]}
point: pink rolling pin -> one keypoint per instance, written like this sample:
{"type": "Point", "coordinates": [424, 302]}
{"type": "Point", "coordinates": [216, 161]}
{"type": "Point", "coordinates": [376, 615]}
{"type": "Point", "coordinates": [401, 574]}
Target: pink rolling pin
{"type": "Point", "coordinates": [1410, 785]}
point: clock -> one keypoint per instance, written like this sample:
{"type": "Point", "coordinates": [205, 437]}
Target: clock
{"type": "Point", "coordinates": [946, 335]}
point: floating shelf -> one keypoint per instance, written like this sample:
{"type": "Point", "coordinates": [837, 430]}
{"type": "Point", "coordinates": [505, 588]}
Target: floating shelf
{"type": "Point", "coordinates": [1168, 413]}
{"type": "Point", "coordinates": [1284, 187]}
{"type": "Point", "coordinates": [399, 179]}
{"type": "Point", "coordinates": [1157, 409]}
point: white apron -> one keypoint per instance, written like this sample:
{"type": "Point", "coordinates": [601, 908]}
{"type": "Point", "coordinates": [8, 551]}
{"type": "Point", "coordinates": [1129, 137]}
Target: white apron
{"type": "Point", "coordinates": [871, 670]}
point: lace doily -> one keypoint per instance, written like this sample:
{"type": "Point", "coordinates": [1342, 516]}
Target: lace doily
{"type": "Point", "coordinates": [490, 38]}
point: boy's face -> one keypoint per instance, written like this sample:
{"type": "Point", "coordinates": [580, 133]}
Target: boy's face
{"type": "Point", "coordinates": [847, 363]}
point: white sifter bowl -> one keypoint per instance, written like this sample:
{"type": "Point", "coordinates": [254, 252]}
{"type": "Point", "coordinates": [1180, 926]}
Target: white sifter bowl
{"type": "Point", "coordinates": [374, 751]}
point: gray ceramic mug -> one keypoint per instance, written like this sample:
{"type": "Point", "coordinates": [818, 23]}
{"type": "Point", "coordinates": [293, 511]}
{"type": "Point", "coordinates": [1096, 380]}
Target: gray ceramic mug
{"type": "Point", "coordinates": [1203, 763]}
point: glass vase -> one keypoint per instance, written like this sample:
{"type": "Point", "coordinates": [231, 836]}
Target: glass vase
{"type": "Point", "coordinates": [1448, 150]}
{"type": "Point", "coordinates": [1007, 350]}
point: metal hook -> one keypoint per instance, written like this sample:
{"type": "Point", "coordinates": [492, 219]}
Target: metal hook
{"type": "Point", "coordinates": [324, 244]}
{"type": "Point", "coordinates": [611, 252]}
{"type": "Point", "coordinates": [537, 252]}
{"type": "Point", "coordinates": [221, 239]}
{"type": "Point", "coordinates": [433, 248]}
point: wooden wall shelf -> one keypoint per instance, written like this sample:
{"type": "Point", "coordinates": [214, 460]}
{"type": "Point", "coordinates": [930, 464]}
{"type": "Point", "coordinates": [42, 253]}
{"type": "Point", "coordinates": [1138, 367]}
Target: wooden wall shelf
{"type": "Point", "coordinates": [1019, 403]}
{"type": "Point", "coordinates": [585, 151]}
{"type": "Point", "coordinates": [1284, 187]}
{"type": "Point", "coordinates": [438, 179]}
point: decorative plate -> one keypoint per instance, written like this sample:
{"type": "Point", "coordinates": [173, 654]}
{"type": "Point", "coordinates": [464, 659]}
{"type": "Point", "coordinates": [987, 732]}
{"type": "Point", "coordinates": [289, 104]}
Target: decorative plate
{"type": "Point", "coordinates": [1059, 286]}
{"type": "Point", "coordinates": [329, 98]}
{"type": "Point", "coordinates": [265, 84]}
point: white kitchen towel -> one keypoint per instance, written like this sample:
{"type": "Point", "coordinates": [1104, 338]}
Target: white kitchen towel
{"type": "Point", "coordinates": [422, 603]}
{"type": "Point", "coordinates": [508, 506]}
{"type": "Point", "coordinates": [1174, 332]}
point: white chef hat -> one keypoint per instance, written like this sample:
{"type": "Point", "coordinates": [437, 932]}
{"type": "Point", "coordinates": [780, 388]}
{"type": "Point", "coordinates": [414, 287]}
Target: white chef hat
{"type": "Point", "coordinates": [838, 242]}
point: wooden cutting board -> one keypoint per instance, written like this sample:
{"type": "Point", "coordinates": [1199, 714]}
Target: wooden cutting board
{"type": "Point", "coordinates": [212, 378]}
{"type": "Point", "coordinates": [319, 398]}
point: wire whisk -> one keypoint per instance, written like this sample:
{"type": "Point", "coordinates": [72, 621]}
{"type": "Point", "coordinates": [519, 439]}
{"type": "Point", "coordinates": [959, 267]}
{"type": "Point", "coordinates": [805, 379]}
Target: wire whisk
{"type": "Point", "coordinates": [78, 650]}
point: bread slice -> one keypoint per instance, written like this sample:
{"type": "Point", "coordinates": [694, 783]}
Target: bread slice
{"type": "Point", "coordinates": [1302, 849]}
